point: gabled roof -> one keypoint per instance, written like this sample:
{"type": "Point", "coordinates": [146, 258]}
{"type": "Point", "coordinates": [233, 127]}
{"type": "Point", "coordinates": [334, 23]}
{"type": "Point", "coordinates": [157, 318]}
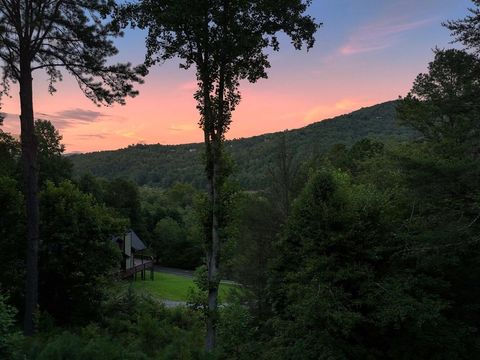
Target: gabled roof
{"type": "Point", "coordinates": [137, 244]}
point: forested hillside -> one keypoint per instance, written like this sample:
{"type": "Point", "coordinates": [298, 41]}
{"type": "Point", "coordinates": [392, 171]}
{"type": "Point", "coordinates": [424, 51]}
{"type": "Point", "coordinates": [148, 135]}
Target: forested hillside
{"type": "Point", "coordinates": [161, 165]}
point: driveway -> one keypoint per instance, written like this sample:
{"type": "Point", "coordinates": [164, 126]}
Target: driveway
{"type": "Point", "coordinates": [170, 304]}
{"type": "Point", "coordinates": [174, 271]}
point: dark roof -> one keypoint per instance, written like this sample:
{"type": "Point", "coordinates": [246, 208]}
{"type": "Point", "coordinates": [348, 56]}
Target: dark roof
{"type": "Point", "coordinates": [137, 244]}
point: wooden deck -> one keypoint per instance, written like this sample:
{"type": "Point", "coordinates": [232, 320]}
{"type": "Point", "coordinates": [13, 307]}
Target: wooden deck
{"type": "Point", "coordinates": [141, 265]}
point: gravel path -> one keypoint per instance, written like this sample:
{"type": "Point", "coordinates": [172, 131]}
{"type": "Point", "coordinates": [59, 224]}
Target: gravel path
{"type": "Point", "coordinates": [173, 304]}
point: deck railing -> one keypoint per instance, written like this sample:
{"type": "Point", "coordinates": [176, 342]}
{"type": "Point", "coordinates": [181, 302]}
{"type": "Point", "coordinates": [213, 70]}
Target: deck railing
{"type": "Point", "coordinates": [142, 263]}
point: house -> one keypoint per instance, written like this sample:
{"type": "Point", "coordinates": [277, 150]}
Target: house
{"type": "Point", "coordinates": [130, 245]}
{"type": "Point", "coordinates": [134, 260]}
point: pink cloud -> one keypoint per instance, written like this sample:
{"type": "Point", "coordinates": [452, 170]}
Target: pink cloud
{"type": "Point", "coordinates": [339, 107]}
{"type": "Point", "coordinates": [380, 35]}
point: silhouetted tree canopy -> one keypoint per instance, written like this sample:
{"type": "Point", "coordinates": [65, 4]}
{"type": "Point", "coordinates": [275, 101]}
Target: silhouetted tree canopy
{"type": "Point", "coordinates": [73, 35]}
{"type": "Point", "coordinates": [443, 103]}
{"type": "Point", "coordinates": [467, 30]}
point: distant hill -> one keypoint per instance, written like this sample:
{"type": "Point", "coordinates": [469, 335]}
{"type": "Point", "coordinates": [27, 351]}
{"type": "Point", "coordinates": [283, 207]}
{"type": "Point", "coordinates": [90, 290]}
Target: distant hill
{"type": "Point", "coordinates": [163, 165]}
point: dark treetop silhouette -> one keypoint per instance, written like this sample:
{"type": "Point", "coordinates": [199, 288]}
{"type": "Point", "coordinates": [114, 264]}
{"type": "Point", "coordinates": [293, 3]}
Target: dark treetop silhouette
{"type": "Point", "coordinates": [466, 30]}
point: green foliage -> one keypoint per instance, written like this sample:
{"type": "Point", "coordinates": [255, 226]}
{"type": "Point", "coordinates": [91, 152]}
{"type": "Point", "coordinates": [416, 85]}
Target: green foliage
{"type": "Point", "coordinates": [131, 326]}
{"type": "Point", "coordinates": [366, 148]}
{"type": "Point", "coordinates": [166, 220]}
{"type": "Point", "coordinates": [169, 238]}
{"type": "Point", "coordinates": [283, 177]}
{"type": "Point", "coordinates": [76, 252]}
{"type": "Point", "coordinates": [144, 324]}
{"type": "Point", "coordinates": [442, 175]}
{"type": "Point", "coordinates": [351, 160]}
{"type": "Point", "coordinates": [7, 326]}
{"type": "Point", "coordinates": [9, 154]}
{"type": "Point", "coordinates": [376, 264]}
{"type": "Point", "coordinates": [254, 229]}
{"type": "Point", "coordinates": [443, 104]}
{"type": "Point", "coordinates": [89, 184]}
{"type": "Point", "coordinates": [173, 226]}
{"type": "Point", "coordinates": [52, 164]}
{"type": "Point", "coordinates": [123, 196]}
{"type": "Point", "coordinates": [74, 347]}
{"type": "Point", "coordinates": [198, 296]}
{"type": "Point", "coordinates": [12, 229]}
{"type": "Point", "coordinates": [335, 239]}
{"type": "Point", "coordinates": [236, 334]}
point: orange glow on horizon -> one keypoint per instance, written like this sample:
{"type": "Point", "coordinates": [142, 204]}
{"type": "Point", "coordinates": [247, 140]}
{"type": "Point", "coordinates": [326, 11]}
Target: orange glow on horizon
{"type": "Point", "coordinates": [172, 118]}
{"type": "Point", "coordinates": [368, 52]}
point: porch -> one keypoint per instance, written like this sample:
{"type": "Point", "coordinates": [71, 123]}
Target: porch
{"type": "Point", "coordinates": [141, 264]}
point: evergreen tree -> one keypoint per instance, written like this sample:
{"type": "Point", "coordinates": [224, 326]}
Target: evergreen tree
{"type": "Point", "coordinates": [49, 36]}
{"type": "Point", "coordinates": [467, 30]}
{"type": "Point", "coordinates": [52, 164]}
{"type": "Point", "coordinates": [443, 103]}
{"type": "Point", "coordinates": [328, 263]}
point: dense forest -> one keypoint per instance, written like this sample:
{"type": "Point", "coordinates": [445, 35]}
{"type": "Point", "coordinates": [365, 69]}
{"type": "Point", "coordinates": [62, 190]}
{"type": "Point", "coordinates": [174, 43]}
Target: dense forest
{"type": "Point", "coordinates": [353, 238]}
{"type": "Point", "coordinates": [163, 165]}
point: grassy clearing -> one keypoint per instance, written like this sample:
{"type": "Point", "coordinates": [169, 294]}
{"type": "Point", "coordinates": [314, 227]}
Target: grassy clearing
{"type": "Point", "coordinates": [173, 287]}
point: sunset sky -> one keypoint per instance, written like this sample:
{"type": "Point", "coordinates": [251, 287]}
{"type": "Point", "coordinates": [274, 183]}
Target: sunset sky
{"type": "Point", "coordinates": [367, 52]}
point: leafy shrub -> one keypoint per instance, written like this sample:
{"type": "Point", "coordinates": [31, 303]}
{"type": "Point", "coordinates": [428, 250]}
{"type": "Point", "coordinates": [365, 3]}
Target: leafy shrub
{"type": "Point", "coordinates": [237, 334]}
{"type": "Point", "coordinates": [93, 347]}
{"type": "Point", "coordinates": [7, 326]}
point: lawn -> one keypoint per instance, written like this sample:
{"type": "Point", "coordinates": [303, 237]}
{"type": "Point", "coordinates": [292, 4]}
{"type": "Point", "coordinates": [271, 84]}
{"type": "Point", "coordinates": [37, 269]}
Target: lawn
{"type": "Point", "coordinates": [172, 287]}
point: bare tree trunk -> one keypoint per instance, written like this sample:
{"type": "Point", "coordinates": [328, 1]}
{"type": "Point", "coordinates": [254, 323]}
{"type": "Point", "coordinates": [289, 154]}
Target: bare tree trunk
{"type": "Point", "coordinates": [213, 140]}
{"type": "Point", "coordinates": [215, 176]}
{"type": "Point", "coordinates": [213, 252]}
{"type": "Point", "coordinates": [212, 152]}
{"type": "Point", "coordinates": [30, 174]}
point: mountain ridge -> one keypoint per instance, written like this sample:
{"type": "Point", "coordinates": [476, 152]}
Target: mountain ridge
{"type": "Point", "coordinates": [162, 165]}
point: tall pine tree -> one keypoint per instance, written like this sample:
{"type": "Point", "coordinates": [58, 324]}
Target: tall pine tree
{"type": "Point", "coordinates": [50, 35]}
{"type": "Point", "coordinates": [467, 30]}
